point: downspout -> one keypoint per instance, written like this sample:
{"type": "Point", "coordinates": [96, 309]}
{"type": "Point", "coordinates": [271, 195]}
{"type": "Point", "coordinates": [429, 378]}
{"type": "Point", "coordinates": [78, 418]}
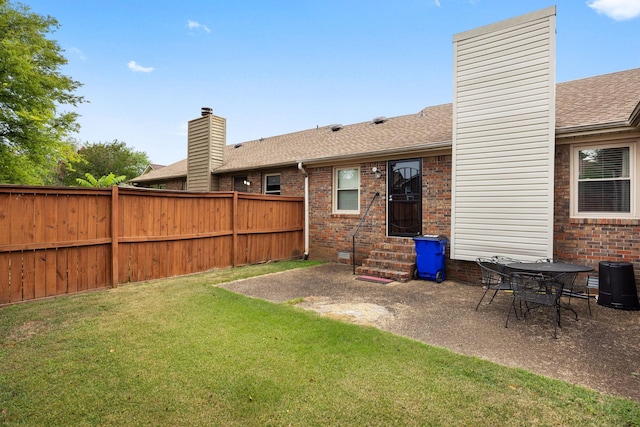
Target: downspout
{"type": "Point", "coordinates": [306, 210]}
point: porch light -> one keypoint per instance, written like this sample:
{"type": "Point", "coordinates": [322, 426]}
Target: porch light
{"type": "Point", "coordinates": [376, 172]}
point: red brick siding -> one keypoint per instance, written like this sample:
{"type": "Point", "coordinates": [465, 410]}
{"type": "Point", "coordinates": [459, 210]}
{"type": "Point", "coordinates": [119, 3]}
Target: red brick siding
{"type": "Point", "coordinates": [581, 240]}
{"type": "Point", "coordinates": [331, 233]}
{"type": "Point", "coordinates": [291, 181]}
{"type": "Point", "coordinates": [176, 184]}
{"type": "Point", "coordinates": [589, 241]}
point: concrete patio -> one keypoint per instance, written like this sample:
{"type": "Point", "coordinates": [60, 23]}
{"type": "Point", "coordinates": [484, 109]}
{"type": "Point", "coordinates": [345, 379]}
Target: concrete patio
{"type": "Point", "coordinates": [601, 351]}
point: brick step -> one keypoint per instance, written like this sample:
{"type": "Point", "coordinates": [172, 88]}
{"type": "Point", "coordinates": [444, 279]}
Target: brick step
{"type": "Point", "coordinates": [390, 255]}
{"type": "Point", "coordinates": [391, 264]}
{"type": "Point", "coordinates": [398, 276]}
{"type": "Point", "coordinates": [400, 246]}
{"type": "Point", "coordinates": [393, 258]}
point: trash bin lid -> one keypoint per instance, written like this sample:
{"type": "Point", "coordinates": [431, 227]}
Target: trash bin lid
{"type": "Point", "coordinates": [431, 237]}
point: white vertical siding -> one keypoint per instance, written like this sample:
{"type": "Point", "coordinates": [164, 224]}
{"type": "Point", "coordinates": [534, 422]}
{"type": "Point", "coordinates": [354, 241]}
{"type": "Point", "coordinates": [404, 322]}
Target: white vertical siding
{"type": "Point", "coordinates": [206, 141]}
{"type": "Point", "coordinates": [503, 139]}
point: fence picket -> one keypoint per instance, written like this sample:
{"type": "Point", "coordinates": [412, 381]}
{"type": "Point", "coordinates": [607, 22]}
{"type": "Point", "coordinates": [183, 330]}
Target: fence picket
{"type": "Point", "coordinates": [56, 241]}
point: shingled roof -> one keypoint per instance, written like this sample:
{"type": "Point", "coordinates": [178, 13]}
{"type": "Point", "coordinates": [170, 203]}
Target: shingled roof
{"type": "Point", "coordinates": [600, 102]}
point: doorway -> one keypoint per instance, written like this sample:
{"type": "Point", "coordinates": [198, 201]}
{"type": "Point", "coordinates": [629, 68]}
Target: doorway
{"type": "Point", "coordinates": [404, 202]}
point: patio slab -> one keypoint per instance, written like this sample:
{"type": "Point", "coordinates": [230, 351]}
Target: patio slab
{"type": "Point", "coordinates": [601, 351]}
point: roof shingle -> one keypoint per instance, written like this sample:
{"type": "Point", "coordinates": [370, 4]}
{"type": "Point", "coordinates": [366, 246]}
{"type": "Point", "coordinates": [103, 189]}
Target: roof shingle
{"type": "Point", "coordinates": [600, 100]}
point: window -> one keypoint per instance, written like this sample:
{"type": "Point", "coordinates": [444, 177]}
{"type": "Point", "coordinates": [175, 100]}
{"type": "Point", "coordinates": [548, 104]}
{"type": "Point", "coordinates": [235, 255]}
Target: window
{"type": "Point", "coordinates": [272, 184]}
{"type": "Point", "coordinates": [240, 183]}
{"type": "Point", "coordinates": [604, 180]}
{"type": "Point", "coordinates": [346, 197]}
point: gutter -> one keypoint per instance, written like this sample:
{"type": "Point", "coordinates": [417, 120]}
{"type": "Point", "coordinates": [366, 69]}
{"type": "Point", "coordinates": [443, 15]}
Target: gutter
{"type": "Point", "coordinates": [306, 210]}
{"type": "Point", "coordinates": [602, 128]}
{"type": "Point", "coordinates": [343, 157]}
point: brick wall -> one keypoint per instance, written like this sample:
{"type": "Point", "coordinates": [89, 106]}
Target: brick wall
{"type": "Point", "coordinates": [590, 241]}
{"type": "Point", "coordinates": [587, 241]}
{"type": "Point", "coordinates": [331, 234]}
{"type": "Point", "coordinates": [176, 184]}
{"type": "Point", "coordinates": [291, 181]}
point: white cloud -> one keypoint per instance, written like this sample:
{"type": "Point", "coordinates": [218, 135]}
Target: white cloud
{"type": "Point", "coordinates": [437, 3]}
{"type": "Point", "coordinates": [77, 52]}
{"type": "Point", "coordinates": [133, 66]}
{"type": "Point", "coordinates": [194, 25]}
{"type": "Point", "coordinates": [619, 10]}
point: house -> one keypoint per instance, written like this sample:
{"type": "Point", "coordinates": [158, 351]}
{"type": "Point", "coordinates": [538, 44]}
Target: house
{"type": "Point", "coordinates": [517, 165]}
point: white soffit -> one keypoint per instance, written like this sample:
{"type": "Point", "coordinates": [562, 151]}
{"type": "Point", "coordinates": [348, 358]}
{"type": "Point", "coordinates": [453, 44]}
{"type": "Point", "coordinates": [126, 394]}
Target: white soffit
{"type": "Point", "coordinates": [503, 139]}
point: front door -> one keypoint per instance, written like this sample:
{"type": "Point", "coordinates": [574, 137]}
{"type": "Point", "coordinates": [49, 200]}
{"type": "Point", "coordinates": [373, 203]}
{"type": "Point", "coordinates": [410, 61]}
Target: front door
{"type": "Point", "coordinates": [404, 204]}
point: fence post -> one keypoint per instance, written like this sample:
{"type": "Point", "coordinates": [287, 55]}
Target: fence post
{"type": "Point", "coordinates": [114, 236]}
{"type": "Point", "coordinates": [234, 227]}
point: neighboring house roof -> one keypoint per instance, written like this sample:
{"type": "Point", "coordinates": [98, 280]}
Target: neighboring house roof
{"type": "Point", "coordinates": [601, 102]}
{"type": "Point", "coordinates": [174, 170]}
{"type": "Point", "coordinates": [151, 167]}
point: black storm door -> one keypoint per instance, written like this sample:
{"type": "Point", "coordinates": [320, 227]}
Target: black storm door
{"type": "Point", "coordinates": [404, 203]}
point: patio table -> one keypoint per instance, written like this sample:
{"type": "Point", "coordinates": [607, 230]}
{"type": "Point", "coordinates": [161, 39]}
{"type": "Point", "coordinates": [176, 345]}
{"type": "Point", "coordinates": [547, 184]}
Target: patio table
{"type": "Point", "coordinates": [553, 272]}
{"type": "Point", "coordinates": [551, 269]}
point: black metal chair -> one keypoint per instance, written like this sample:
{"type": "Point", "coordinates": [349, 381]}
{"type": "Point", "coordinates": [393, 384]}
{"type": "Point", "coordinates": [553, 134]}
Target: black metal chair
{"type": "Point", "coordinates": [592, 284]}
{"type": "Point", "coordinates": [568, 280]}
{"type": "Point", "coordinates": [533, 290]}
{"type": "Point", "coordinates": [495, 276]}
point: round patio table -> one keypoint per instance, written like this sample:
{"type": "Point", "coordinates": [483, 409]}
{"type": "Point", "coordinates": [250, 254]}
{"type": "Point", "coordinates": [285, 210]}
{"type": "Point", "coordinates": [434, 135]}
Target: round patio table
{"type": "Point", "coordinates": [553, 271]}
{"type": "Point", "coordinates": [550, 268]}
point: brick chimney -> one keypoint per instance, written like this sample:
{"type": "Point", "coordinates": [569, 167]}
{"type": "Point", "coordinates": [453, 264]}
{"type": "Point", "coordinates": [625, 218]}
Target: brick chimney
{"type": "Point", "coordinates": [207, 136]}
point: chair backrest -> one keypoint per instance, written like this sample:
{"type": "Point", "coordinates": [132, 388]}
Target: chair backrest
{"type": "Point", "coordinates": [521, 281]}
{"type": "Point", "coordinates": [593, 282]}
{"type": "Point", "coordinates": [566, 279]}
{"type": "Point", "coordinates": [492, 272]}
{"type": "Point", "coordinates": [534, 287]}
{"type": "Point", "coordinates": [504, 259]}
{"type": "Point", "coordinates": [549, 260]}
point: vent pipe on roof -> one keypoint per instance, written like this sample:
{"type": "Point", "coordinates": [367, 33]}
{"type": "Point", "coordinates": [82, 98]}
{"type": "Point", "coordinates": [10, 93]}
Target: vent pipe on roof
{"type": "Point", "coordinates": [206, 111]}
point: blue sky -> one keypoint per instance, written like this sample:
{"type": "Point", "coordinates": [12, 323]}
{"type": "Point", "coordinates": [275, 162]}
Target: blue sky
{"type": "Point", "coordinates": [274, 67]}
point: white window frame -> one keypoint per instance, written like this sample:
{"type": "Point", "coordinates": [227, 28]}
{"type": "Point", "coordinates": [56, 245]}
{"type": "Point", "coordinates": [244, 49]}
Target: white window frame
{"type": "Point", "coordinates": [633, 179]}
{"type": "Point", "coordinates": [336, 190]}
{"type": "Point", "coordinates": [264, 185]}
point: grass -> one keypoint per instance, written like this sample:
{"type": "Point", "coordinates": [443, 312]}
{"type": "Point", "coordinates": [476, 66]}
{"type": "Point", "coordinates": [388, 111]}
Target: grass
{"type": "Point", "coordinates": [183, 352]}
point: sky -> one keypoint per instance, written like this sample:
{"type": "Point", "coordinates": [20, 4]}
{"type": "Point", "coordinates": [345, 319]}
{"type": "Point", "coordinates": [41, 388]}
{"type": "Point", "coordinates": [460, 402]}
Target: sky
{"type": "Point", "coordinates": [272, 67]}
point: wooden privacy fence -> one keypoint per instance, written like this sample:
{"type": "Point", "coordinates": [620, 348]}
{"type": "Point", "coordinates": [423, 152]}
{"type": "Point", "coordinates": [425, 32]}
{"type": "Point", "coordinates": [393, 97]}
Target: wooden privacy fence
{"type": "Point", "coordinates": [57, 241]}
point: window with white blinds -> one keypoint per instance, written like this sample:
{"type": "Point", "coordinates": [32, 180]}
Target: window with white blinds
{"type": "Point", "coordinates": [346, 194]}
{"type": "Point", "coordinates": [272, 184]}
{"type": "Point", "coordinates": [605, 179]}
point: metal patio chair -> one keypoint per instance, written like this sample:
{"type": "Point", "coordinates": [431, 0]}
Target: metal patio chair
{"type": "Point", "coordinates": [580, 291]}
{"type": "Point", "coordinates": [495, 276]}
{"type": "Point", "coordinates": [533, 290]}
{"type": "Point", "coordinates": [568, 282]}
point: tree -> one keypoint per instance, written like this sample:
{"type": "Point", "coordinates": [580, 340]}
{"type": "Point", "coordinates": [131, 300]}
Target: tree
{"type": "Point", "coordinates": [33, 132]}
{"type": "Point", "coordinates": [103, 181]}
{"type": "Point", "coordinates": [103, 158]}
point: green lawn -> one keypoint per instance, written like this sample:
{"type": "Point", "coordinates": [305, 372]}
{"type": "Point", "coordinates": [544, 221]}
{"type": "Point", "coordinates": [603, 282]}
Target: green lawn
{"type": "Point", "coordinates": [180, 352]}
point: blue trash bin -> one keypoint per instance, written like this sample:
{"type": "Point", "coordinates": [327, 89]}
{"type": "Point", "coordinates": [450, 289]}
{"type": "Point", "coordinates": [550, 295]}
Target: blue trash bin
{"type": "Point", "coordinates": [430, 255]}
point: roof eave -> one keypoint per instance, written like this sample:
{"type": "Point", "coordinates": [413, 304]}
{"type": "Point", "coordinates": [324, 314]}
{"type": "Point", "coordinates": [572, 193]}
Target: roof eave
{"type": "Point", "coordinates": [381, 153]}
{"type": "Point", "coordinates": [344, 157]}
{"type": "Point", "coordinates": [144, 178]}
{"type": "Point", "coordinates": [595, 129]}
